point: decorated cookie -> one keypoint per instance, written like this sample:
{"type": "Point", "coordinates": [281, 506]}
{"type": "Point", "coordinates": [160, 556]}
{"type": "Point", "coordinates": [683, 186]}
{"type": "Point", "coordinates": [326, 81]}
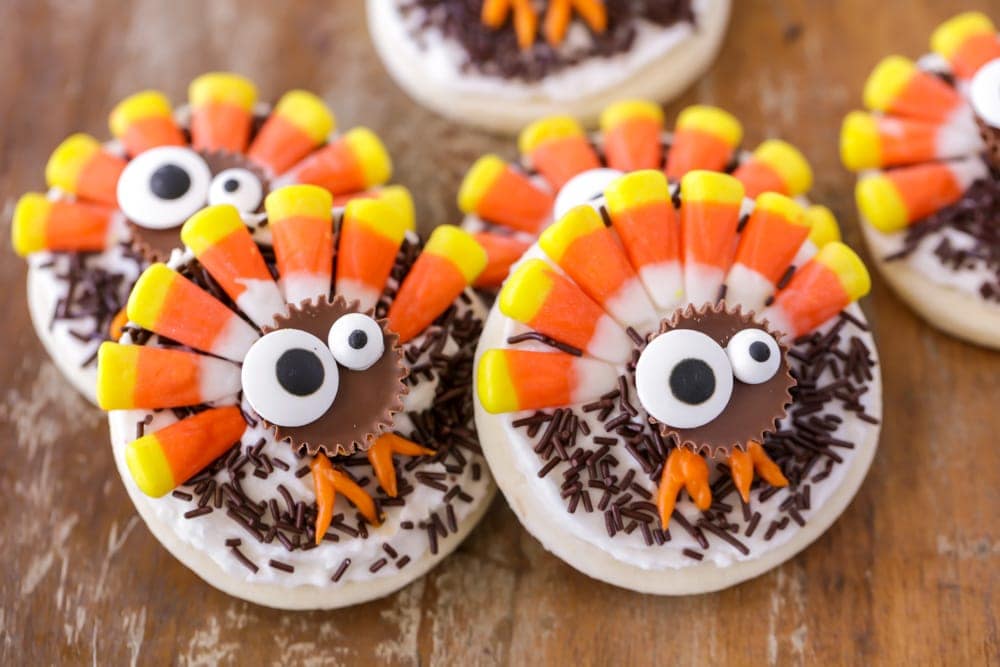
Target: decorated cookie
{"type": "Point", "coordinates": [114, 207]}
{"type": "Point", "coordinates": [506, 205]}
{"type": "Point", "coordinates": [676, 392]}
{"type": "Point", "coordinates": [298, 430]}
{"type": "Point", "coordinates": [928, 155]}
{"type": "Point", "coordinates": [501, 64]}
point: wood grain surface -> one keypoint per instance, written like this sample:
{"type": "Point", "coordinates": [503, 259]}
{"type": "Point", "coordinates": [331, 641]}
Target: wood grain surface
{"type": "Point", "coordinates": [908, 575]}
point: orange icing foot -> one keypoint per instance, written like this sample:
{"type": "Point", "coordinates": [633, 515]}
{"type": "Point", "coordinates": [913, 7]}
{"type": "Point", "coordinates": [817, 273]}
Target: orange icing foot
{"type": "Point", "coordinates": [328, 481]}
{"type": "Point", "coordinates": [742, 466]}
{"type": "Point", "coordinates": [380, 456]}
{"type": "Point", "coordinates": [684, 470]}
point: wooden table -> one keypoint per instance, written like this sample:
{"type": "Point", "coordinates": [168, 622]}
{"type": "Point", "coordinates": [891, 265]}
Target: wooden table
{"type": "Point", "coordinates": [908, 574]}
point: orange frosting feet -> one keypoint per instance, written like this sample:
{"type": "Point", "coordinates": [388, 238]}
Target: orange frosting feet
{"type": "Point", "coordinates": [742, 466]}
{"type": "Point", "coordinates": [684, 470]}
{"type": "Point", "coordinates": [380, 456]}
{"type": "Point", "coordinates": [328, 481]}
{"type": "Point", "coordinates": [557, 18]}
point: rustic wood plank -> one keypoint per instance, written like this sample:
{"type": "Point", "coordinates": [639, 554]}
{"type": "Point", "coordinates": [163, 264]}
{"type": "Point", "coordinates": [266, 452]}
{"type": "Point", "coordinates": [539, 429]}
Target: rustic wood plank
{"type": "Point", "coordinates": [908, 574]}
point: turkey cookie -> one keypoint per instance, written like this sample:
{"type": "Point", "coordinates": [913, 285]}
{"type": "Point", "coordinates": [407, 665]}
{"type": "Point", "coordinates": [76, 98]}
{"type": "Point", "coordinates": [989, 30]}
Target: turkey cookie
{"type": "Point", "coordinates": [683, 395]}
{"type": "Point", "coordinates": [506, 205]}
{"type": "Point", "coordinates": [112, 208]}
{"type": "Point", "coordinates": [928, 191]}
{"type": "Point", "coordinates": [299, 431]}
{"type": "Point", "coordinates": [501, 64]}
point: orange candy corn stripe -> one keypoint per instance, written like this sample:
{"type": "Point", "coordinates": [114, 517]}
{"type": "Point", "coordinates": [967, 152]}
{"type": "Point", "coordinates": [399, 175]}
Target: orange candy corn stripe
{"type": "Point", "coordinates": [587, 251]}
{"type": "Point", "coordinates": [537, 295]}
{"type": "Point", "coordinates": [223, 245]}
{"type": "Point", "coordinates": [221, 111]}
{"type": "Point", "coordinates": [81, 167]}
{"type": "Point", "coordinates": [161, 461]}
{"type": "Point", "coordinates": [370, 237]}
{"type": "Point", "coordinates": [301, 220]}
{"type": "Point", "coordinates": [143, 121]}
{"type": "Point", "coordinates": [898, 87]}
{"type": "Point", "coordinates": [870, 141]}
{"type": "Point", "coordinates": [169, 304]}
{"type": "Point", "coordinates": [63, 226]}
{"type": "Point", "coordinates": [450, 262]}
{"type": "Point", "coordinates": [501, 253]}
{"type": "Point", "coordinates": [356, 161]}
{"type": "Point", "coordinates": [512, 380]}
{"type": "Point", "coordinates": [496, 192]}
{"type": "Point", "coordinates": [141, 376]}
{"type": "Point", "coordinates": [710, 214]}
{"type": "Point", "coordinates": [558, 148]}
{"type": "Point", "coordinates": [633, 132]}
{"type": "Point", "coordinates": [704, 138]}
{"type": "Point", "coordinates": [644, 217]}
{"type": "Point", "coordinates": [299, 123]}
{"type": "Point", "coordinates": [775, 166]}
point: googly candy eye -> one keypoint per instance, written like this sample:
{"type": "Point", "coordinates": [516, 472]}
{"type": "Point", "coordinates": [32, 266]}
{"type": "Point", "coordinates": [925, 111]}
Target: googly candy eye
{"type": "Point", "coordinates": [356, 341]}
{"type": "Point", "coordinates": [290, 377]}
{"type": "Point", "coordinates": [754, 356]}
{"type": "Point", "coordinates": [984, 93]}
{"type": "Point", "coordinates": [684, 378]}
{"type": "Point", "coordinates": [163, 186]}
{"type": "Point", "coordinates": [238, 187]}
{"type": "Point", "coordinates": [585, 188]}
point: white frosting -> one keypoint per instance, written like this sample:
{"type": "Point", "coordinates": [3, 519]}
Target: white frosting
{"type": "Point", "coordinates": [441, 58]}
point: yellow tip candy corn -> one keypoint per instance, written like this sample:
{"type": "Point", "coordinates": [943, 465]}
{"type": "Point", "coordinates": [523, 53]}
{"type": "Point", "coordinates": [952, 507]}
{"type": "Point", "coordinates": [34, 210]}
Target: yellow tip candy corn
{"type": "Point", "coordinates": [299, 123]}
{"type": "Point", "coordinates": [222, 243]}
{"type": "Point", "coordinates": [169, 304]}
{"type": "Point", "coordinates": [775, 166]}
{"type": "Point", "coordinates": [161, 461]}
{"type": "Point", "coordinates": [967, 41]}
{"type": "Point", "coordinates": [221, 111]}
{"type": "Point", "coordinates": [82, 168]}
{"type": "Point", "coordinates": [896, 86]}
{"type": "Point", "coordinates": [301, 220]}
{"type": "Point", "coordinates": [632, 131]}
{"type": "Point", "coordinates": [868, 141]}
{"type": "Point", "coordinates": [63, 226]}
{"type": "Point", "coordinates": [710, 215]}
{"type": "Point", "coordinates": [450, 262]}
{"type": "Point", "coordinates": [704, 138]}
{"type": "Point", "coordinates": [497, 193]}
{"type": "Point", "coordinates": [370, 237]}
{"type": "Point", "coordinates": [356, 161]}
{"type": "Point", "coordinates": [143, 121]}
{"type": "Point", "coordinates": [558, 148]}
{"type": "Point", "coordinates": [512, 380]}
{"type": "Point", "coordinates": [501, 252]}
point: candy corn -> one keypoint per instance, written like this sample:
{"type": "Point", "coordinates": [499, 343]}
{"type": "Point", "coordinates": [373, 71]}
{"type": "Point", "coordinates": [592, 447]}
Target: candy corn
{"type": "Point", "coordinates": [868, 141]}
{"type": "Point", "coordinates": [775, 166]}
{"type": "Point", "coordinates": [710, 214]}
{"type": "Point", "coordinates": [537, 295]}
{"type": "Point", "coordinates": [893, 199]}
{"type": "Point", "coordinates": [301, 221]}
{"type": "Point", "coordinates": [644, 217]}
{"type": "Point", "coordinates": [496, 192]}
{"type": "Point", "coordinates": [587, 251]}
{"type": "Point", "coordinates": [143, 121]}
{"type": "Point", "coordinates": [63, 226]}
{"type": "Point", "coordinates": [161, 461]}
{"type": "Point", "coordinates": [501, 252]}
{"type": "Point", "coordinates": [823, 227]}
{"type": "Point", "coordinates": [827, 284]}
{"type": "Point", "coordinates": [299, 123]}
{"type": "Point", "coordinates": [80, 167]}
{"type": "Point", "coordinates": [772, 237]}
{"type": "Point", "coordinates": [967, 41]}
{"type": "Point", "coordinates": [704, 138]}
{"type": "Point", "coordinates": [898, 87]}
{"type": "Point", "coordinates": [633, 132]}
{"type": "Point", "coordinates": [370, 237]}
{"type": "Point", "coordinates": [512, 380]}
{"type": "Point", "coordinates": [222, 243]}
{"type": "Point", "coordinates": [450, 262]}
{"type": "Point", "coordinates": [356, 161]}
{"type": "Point", "coordinates": [170, 305]}
{"type": "Point", "coordinates": [396, 196]}
{"type": "Point", "coordinates": [140, 376]}
{"type": "Point", "coordinates": [558, 148]}
{"type": "Point", "coordinates": [221, 111]}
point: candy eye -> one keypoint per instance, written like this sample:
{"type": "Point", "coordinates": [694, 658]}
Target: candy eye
{"type": "Point", "coordinates": [356, 341]}
{"type": "Point", "coordinates": [984, 93]}
{"type": "Point", "coordinates": [239, 187]}
{"type": "Point", "coordinates": [290, 378]}
{"type": "Point", "coordinates": [163, 187]}
{"type": "Point", "coordinates": [754, 356]}
{"type": "Point", "coordinates": [683, 379]}
{"type": "Point", "coordinates": [583, 189]}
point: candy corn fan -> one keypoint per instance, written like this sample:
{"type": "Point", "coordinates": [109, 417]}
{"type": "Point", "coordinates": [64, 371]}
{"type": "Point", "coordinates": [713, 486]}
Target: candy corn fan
{"type": "Point", "coordinates": [675, 389]}
{"type": "Point", "coordinates": [501, 64]}
{"type": "Point", "coordinates": [928, 155]}
{"type": "Point", "coordinates": [302, 436]}
{"type": "Point", "coordinates": [112, 208]}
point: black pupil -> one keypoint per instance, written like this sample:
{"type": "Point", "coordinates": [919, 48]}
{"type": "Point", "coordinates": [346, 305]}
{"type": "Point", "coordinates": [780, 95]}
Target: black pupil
{"type": "Point", "coordinates": [231, 185]}
{"type": "Point", "coordinates": [692, 381]}
{"type": "Point", "coordinates": [169, 182]}
{"type": "Point", "coordinates": [299, 371]}
{"type": "Point", "coordinates": [358, 339]}
{"type": "Point", "coordinates": [759, 351]}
